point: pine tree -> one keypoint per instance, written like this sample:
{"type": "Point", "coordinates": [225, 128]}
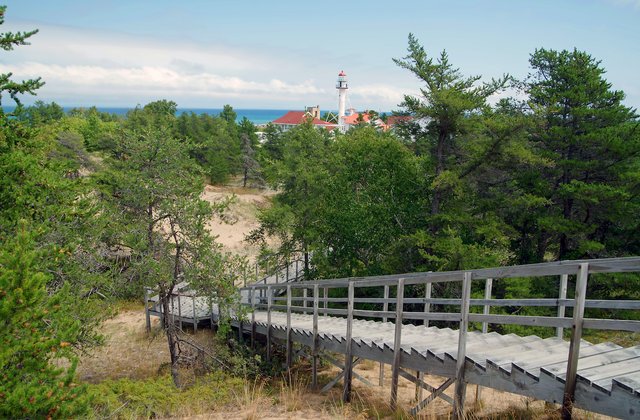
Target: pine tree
{"type": "Point", "coordinates": [34, 330]}
{"type": "Point", "coordinates": [593, 142]}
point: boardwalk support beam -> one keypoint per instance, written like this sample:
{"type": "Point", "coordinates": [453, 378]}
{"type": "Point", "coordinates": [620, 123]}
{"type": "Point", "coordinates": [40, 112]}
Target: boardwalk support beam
{"type": "Point", "coordinates": [461, 385]}
{"type": "Point", "coordinates": [574, 345]}
{"type": "Point", "coordinates": [348, 355]}
{"type": "Point", "coordinates": [289, 341]}
{"type": "Point", "coordinates": [314, 348]}
{"type": "Point", "coordinates": [397, 344]}
{"type": "Point", "coordinates": [385, 309]}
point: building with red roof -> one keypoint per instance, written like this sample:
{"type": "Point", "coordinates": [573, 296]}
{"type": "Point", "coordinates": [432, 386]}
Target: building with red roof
{"type": "Point", "coordinates": [293, 118]}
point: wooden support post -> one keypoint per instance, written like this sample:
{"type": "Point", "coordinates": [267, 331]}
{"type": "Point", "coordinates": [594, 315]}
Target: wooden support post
{"type": "Point", "coordinates": [195, 320]}
{"type": "Point", "coordinates": [286, 273]}
{"type": "Point", "coordinates": [488, 284]}
{"type": "Point", "coordinates": [252, 297]}
{"type": "Point", "coordinates": [297, 269]}
{"type": "Point", "coordinates": [304, 302]}
{"type": "Point", "coordinates": [397, 344]}
{"type": "Point", "coordinates": [348, 356]}
{"type": "Point", "coordinates": [385, 308]}
{"type": "Point", "coordinates": [326, 295]}
{"type": "Point", "coordinates": [574, 345]}
{"type": "Point", "coordinates": [427, 305]}
{"type": "Point", "coordinates": [419, 377]}
{"type": "Point", "coordinates": [564, 280]}
{"type": "Point", "coordinates": [314, 349]}
{"type": "Point", "coordinates": [179, 312]}
{"type": "Point", "coordinates": [147, 315]}
{"type": "Point", "coordinates": [461, 385]}
{"type": "Point", "coordinates": [289, 343]}
{"type": "Point", "coordinates": [269, 323]}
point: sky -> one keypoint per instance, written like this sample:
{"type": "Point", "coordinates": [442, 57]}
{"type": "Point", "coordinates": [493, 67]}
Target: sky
{"type": "Point", "coordinates": [283, 54]}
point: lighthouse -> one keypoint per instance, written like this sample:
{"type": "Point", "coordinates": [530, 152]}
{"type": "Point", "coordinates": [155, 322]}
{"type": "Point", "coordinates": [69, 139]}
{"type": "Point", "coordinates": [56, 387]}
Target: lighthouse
{"type": "Point", "coordinates": [342, 87]}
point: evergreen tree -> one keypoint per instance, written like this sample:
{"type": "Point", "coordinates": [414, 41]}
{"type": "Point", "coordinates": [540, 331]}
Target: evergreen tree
{"type": "Point", "coordinates": [593, 142]}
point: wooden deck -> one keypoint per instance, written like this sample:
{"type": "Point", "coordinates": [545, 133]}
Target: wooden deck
{"type": "Point", "coordinates": [602, 378]}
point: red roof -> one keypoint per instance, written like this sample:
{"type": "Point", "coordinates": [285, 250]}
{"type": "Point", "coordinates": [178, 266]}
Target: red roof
{"type": "Point", "coordinates": [395, 119]}
{"type": "Point", "coordinates": [342, 73]}
{"type": "Point", "coordinates": [298, 117]}
{"type": "Point", "coordinates": [353, 118]}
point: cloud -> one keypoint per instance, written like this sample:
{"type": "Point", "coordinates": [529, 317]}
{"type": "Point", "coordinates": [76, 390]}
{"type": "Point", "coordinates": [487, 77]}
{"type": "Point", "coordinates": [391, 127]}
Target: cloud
{"type": "Point", "coordinates": [82, 67]}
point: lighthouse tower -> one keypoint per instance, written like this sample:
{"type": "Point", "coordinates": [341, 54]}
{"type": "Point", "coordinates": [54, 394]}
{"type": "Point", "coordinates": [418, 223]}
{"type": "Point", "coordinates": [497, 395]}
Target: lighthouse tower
{"type": "Point", "coordinates": [342, 87]}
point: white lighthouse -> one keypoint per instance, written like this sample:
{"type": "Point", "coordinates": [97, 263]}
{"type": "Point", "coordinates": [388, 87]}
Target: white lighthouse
{"type": "Point", "coordinates": [342, 87]}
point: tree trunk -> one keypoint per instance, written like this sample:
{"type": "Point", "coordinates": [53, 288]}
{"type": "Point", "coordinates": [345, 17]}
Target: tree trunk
{"type": "Point", "coordinates": [170, 331]}
{"type": "Point", "coordinates": [436, 197]}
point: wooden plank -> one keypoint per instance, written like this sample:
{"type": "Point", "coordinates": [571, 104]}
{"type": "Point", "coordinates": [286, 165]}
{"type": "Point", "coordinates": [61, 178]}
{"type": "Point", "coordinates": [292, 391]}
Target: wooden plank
{"type": "Point", "coordinates": [427, 304]}
{"type": "Point", "coordinates": [488, 284]}
{"type": "Point", "coordinates": [461, 385]}
{"type": "Point", "coordinates": [269, 296]}
{"type": "Point", "coordinates": [562, 294]}
{"type": "Point", "coordinates": [314, 349]}
{"type": "Point", "coordinates": [289, 343]}
{"type": "Point", "coordinates": [348, 356]}
{"type": "Point", "coordinates": [574, 344]}
{"type": "Point", "coordinates": [397, 344]}
{"type": "Point", "coordinates": [253, 318]}
{"type": "Point", "coordinates": [147, 315]}
{"type": "Point", "coordinates": [385, 308]}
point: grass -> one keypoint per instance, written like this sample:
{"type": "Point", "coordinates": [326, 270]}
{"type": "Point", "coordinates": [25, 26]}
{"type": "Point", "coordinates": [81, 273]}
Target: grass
{"type": "Point", "coordinates": [158, 397]}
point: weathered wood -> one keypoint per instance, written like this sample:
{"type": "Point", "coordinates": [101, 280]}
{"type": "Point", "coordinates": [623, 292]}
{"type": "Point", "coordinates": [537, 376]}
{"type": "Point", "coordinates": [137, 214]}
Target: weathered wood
{"type": "Point", "coordinates": [562, 294]}
{"type": "Point", "coordinates": [461, 385]}
{"type": "Point", "coordinates": [419, 381]}
{"type": "Point", "coordinates": [314, 349]}
{"type": "Point", "coordinates": [269, 303]}
{"type": "Point", "coordinates": [195, 319]}
{"type": "Point", "coordinates": [385, 308]}
{"type": "Point", "coordinates": [397, 344]}
{"type": "Point", "coordinates": [574, 345]}
{"type": "Point", "coordinates": [437, 393]}
{"type": "Point", "coordinates": [427, 303]}
{"type": "Point", "coordinates": [348, 355]}
{"type": "Point", "coordinates": [488, 284]}
{"type": "Point", "coordinates": [147, 315]}
{"type": "Point", "coordinates": [252, 300]}
{"type": "Point", "coordinates": [180, 312]}
{"type": "Point", "coordinates": [304, 300]}
{"type": "Point", "coordinates": [289, 341]}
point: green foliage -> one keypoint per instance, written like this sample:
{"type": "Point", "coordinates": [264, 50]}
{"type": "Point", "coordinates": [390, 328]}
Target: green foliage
{"type": "Point", "coordinates": [35, 329]}
{"type": "Point", "coordinates": [157, 397]}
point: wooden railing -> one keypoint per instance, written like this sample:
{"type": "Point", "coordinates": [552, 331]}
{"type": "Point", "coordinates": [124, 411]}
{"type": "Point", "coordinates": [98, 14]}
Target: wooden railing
{"type": "Point", "coordinates": [316, 293]}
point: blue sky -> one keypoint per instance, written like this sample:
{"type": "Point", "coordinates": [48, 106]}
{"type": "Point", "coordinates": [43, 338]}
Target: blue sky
{"type": "Point", "coordinates": [287, 54]}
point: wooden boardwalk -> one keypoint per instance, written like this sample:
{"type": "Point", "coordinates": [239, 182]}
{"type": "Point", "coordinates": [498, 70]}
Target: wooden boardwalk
{"type": "Point", "coordinates": [602, 378]}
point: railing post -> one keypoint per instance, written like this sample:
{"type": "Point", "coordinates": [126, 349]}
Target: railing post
{"type": "Point", "coordinates": [385, 308]}
{"type": "Point", "coordinates": [195, 320]}
{"type": "Point", "coordinates": [269, 323]}
{"type": "Point", "coordinates": [461, 385]}
{"type": "Point", "coordinates": [314, 350]}
{"type": "Point", "coordinates": [179, 312]}
{"type": "Point", "coordinates": [252, 296]}
{"type": "Point", "coordinates": [147, 315]}
{"type": "Point", "coordinates": [289, 343]}
{"type": "Point", "coordinates": [348, 357]}
{"type": "Point", "coordinates": [326, 302]}
{"type": "Point", "coordinates": [296, 269]}
{"type": "Point", "coordinates": [304, 301]}
{"type": "Point", "coordinates": [574, 345]}
{"type": "Point", "coordinates": [286, 272]}
{"type": "Point", "coordinates": [397, 344]}
{"type": "Point", "coordinates": [427, 304]}
{"type": "Point", "coordinates": [488, 284]}
{"type": "Point", "coordinates": [564, 280]}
